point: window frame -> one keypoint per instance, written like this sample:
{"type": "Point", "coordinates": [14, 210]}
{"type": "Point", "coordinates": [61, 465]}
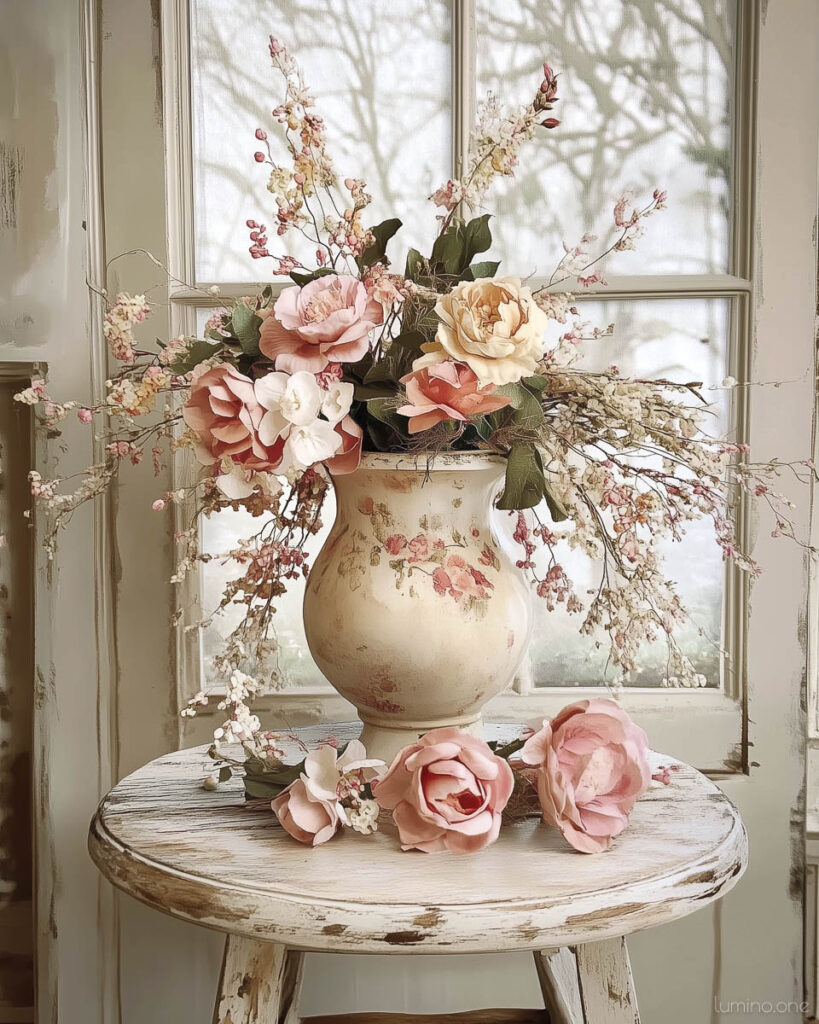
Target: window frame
{"type": "Point", "coordinates": [709, 727]}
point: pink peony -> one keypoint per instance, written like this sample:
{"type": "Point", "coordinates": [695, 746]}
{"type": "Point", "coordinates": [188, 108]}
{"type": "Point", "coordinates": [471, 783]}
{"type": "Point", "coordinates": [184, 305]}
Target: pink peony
{"type": "Point", "coordinates": [447, 391]}
{"type": "Point", "coordinates": [592, 767]}
{"type": "Point", "coordinates": [446, 792]}
{"type": "Point", "coordinates": [308, 818]}
{"type": "Point", "coordinates": [328, 320]}
{"type": "Point", "coordinates": [226, 416]}
{"type": "Point", "coordinates": [348, 457]}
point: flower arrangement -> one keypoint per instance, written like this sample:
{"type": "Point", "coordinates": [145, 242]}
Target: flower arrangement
{"type": "Point", "coordinates": [286, 389]}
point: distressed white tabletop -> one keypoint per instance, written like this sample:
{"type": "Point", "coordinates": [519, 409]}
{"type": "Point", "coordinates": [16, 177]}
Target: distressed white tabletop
{"type": "Point", "coordinates": [202, 856]}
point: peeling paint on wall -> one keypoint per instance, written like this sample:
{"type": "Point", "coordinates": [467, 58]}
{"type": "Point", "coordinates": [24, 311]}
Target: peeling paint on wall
{"type": "Point", "coordinates": [11, 168]}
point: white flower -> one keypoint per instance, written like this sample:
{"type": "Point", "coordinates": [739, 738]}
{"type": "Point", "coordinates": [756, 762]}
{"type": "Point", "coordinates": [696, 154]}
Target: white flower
{"type": "Point", "coordinates": [364, 817]}
{"type": "Point", "coordinates": [330, 778]}
{"type": "Point", "coordinates": [297, 397]}
{"type": "Point", "coordinates": [309, 444]}
{"type": "Point", "coordinates": [729, 382]}
{"type": "Point", "coordinates": [336, 401]}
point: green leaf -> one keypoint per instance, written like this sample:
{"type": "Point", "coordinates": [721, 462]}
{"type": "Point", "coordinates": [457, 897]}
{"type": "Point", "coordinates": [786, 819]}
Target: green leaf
{"type": "Point", "coordinates": [413, 266]}
{"type": "Point", "coordinates": [263, 784]}
{"type": "Point", "coordinates": [197, 353]}
{"type": "Point", "coordinates": [398, 359]}
{"type": "Point", "coordinates": [537, 382]}
{"type": "Point", "coordinates": [448, 251]}
{"type": "Point", "coordinates": [303, 279]}
{"type": "Point", "coordinates": [528, 414]}
{"type": "Point", "coordinates": [383, 409]}
{"type": "Point", "coordinates": [486, 269]}
{"type": "Point", "coordinates": [524, 486]}
{"type": "Point", "coordinates": [246, 327]}
{"type": "Point", "coordinates": [382, 233]}
{"type": "Point", "coordinates": [476, 237]}
{"type": "Point", "coordinates": [368, 392]}
{"type": "Point", "coordinates": [556, 509]}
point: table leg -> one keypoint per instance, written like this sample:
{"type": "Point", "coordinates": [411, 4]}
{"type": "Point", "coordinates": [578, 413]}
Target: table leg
{"type": "Point", "coordinates": [557, 974]}
{"type": "Point", "coordinates": [606, 986]}
{"type": "Point", "coordinates": [259, 983]}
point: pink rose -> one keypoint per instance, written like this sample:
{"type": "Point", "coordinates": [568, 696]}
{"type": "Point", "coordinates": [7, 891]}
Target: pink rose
{"type": "Point", "coordinates": [446, 792]}
{"type": "Point", "coordinates": [227, 417]}
{"type": "Point", "coordinates": [592, 767]}
{"type": "Point", "coordinates": [348, 457]}
{"type": "Point", "coordinates": [328, 320]}
{"type": "Point", "coordinates": [447, 391]}
{"type": "Point", "coordinates": [305, 817]}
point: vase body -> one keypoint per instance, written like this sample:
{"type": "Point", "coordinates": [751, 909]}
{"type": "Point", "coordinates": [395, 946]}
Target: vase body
{"type": "Point", "coordinates": [412, 610]}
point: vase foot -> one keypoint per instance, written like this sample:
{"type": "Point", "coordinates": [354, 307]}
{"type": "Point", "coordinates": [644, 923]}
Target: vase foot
{"type": "Point", "coordinates": [384, 741]}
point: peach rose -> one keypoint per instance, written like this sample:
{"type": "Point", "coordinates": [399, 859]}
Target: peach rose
{"type": "Point", "coordinates": [348, 457]}
{"type": "Point", "coordinates": [446, 792]}
{"type": "Point", "coordinates": [446, 391]}
{"type": "Point", "coordinates": [592, 767]}
{"type": "Point", "coordinates": [227, 417]}
{"type": "Point", "coordinates": [493, 325]}
{"type": "Point", "coordinates": [327, 320]}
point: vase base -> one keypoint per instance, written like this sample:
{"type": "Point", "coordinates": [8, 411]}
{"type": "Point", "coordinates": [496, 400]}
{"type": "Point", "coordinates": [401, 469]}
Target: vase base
{"type": "Point", "coordinates": [384, 741]}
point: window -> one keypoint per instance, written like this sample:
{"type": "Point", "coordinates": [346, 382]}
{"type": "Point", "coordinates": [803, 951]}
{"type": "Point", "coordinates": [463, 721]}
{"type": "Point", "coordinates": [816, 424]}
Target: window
{"type": "Point", "coordinates": [651, 94]}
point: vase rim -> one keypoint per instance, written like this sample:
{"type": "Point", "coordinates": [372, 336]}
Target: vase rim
{"type": "Point", "coordinates": [428, 461]}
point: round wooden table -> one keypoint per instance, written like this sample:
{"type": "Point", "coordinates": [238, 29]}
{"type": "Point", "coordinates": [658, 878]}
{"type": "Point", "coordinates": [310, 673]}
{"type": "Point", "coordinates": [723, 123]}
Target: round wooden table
{"type": "Point", "coordinates": [202, 856]}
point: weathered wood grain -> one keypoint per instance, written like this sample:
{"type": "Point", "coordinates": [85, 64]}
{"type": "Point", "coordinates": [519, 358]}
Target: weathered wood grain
{"type": "Point", "coordinates": [557, 974]}
{"type": "Point", "coordinates": [205, 858]}
{"type": "Point", "coordinates": [606, 986]}
{"type": "Point", "coordinates": [251, 982]}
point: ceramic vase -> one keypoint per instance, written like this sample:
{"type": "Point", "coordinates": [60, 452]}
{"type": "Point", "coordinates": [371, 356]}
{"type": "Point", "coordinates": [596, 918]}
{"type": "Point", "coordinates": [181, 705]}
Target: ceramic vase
{"type": "Point", "coordinates": [412, 610]}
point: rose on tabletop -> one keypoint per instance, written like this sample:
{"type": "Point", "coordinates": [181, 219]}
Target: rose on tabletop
{"type": "Point", "coordinates": [493, 325]}
{"type": "Point", "coordinates": [591, 766]}
{"type": "Point", "coordinates": [329, 794]}
{"type": "Point", "coordinates": [329, 319]}
{"type": "Point", "coordinates": [446, 792]}
{"type": "Point", "coordinates": [447, 391]}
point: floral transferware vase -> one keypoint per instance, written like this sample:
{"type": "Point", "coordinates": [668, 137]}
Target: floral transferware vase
{"type": "Point", "coordinates": [412, 610]}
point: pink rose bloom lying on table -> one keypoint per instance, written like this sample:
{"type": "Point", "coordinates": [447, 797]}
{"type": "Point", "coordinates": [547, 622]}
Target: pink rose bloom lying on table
{"type": "Point", "coordinates": [592, 767]}
{"type": "Point", "coordinates": [446, 792]}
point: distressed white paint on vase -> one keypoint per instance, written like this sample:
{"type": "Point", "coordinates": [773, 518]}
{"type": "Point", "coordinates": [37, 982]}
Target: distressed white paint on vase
{"type": "Point", "coordinates": [412, 610]}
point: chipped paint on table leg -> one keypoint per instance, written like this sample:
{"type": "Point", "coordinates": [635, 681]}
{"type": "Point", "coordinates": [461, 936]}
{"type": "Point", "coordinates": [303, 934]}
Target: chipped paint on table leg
{"type": "Point", "coordinates": [606, 985]}
{"type": "Point", "coordinates": [291, 988]}
{"type": "Point", "coordinates": [257, 978]}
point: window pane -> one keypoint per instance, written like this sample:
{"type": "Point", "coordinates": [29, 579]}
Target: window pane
{"type": "Point", "coordinates": [220, 533]}
{"type": "Point", "coordinates": [681, 339]}
{"type": "Point", "coordinates": [645, 101]}
{"type": "Point", "coordinates": [381, 77]}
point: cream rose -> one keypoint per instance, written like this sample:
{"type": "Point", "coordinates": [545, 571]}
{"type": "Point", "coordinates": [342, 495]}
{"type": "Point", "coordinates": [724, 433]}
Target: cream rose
{"type": "Point", "coordinates": [494, 326]}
